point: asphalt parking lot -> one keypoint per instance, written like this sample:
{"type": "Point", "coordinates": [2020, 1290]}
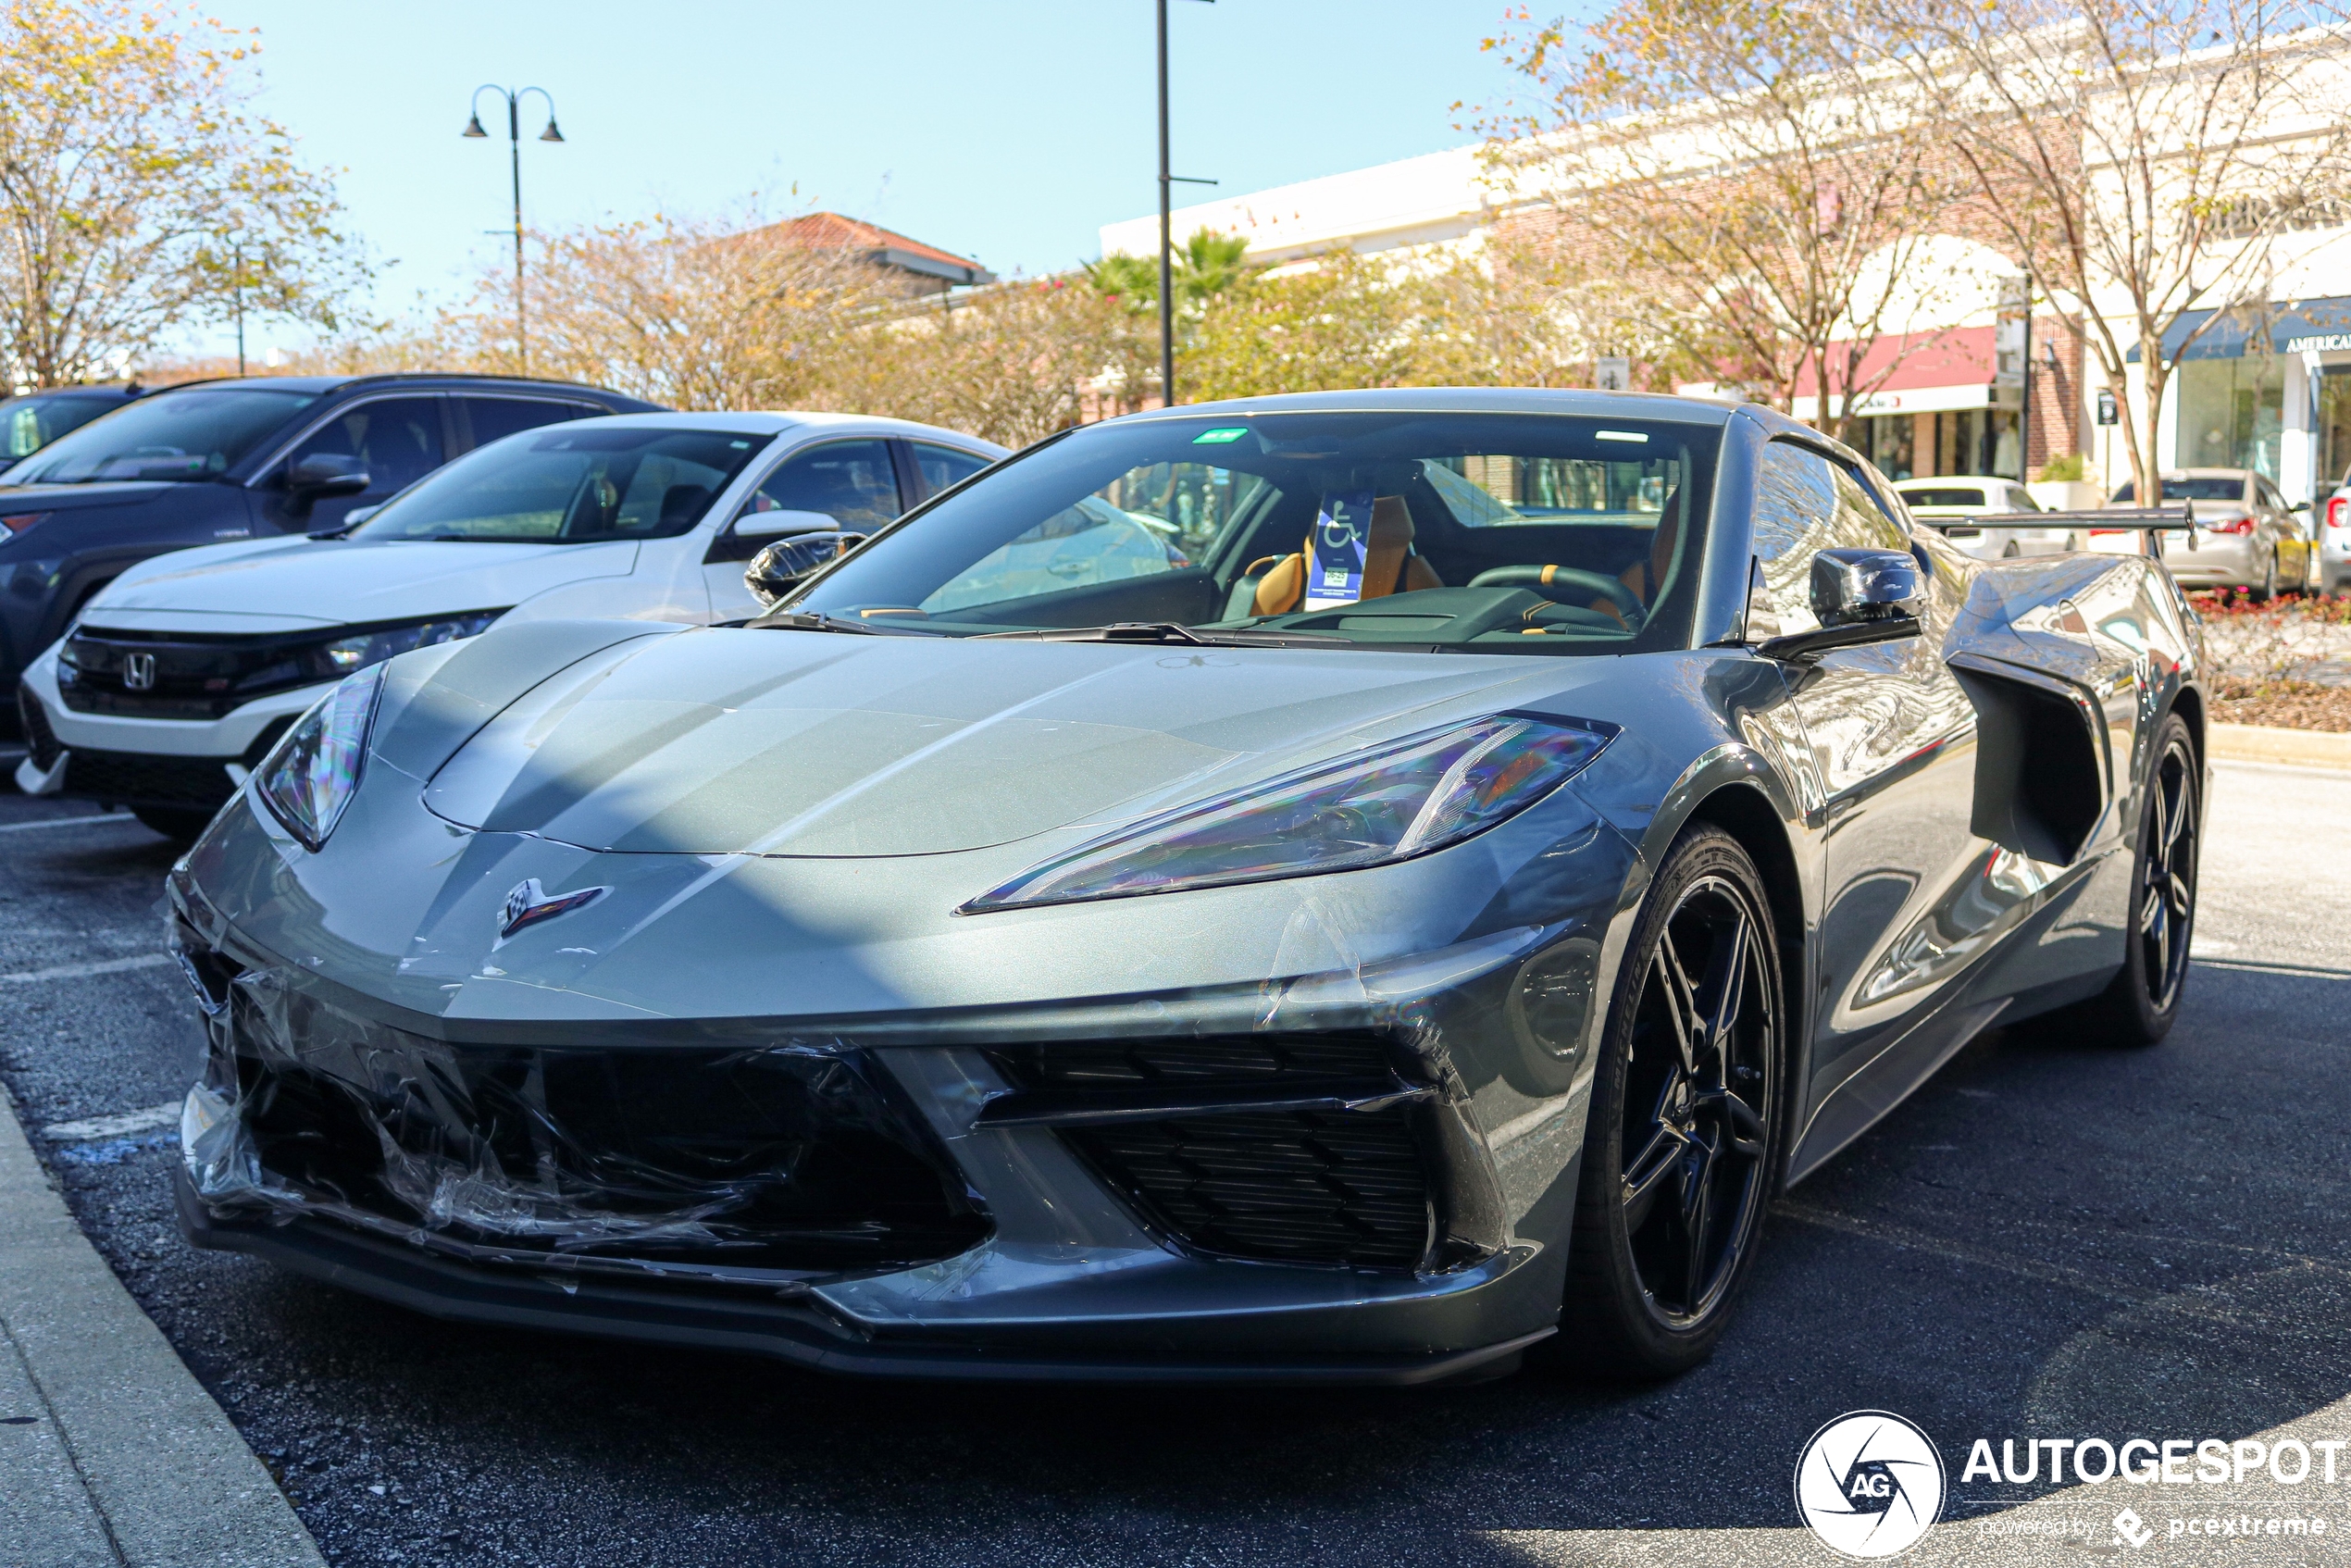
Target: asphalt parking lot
{"type": "Point", "coordinates": [2049, 1241]}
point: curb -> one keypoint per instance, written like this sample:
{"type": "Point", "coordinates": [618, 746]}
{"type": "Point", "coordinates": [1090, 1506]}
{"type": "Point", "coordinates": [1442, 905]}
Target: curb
{"type": "Point", "coordinates": [2262, 742]}
{"type": "Point", "coordinates": [126, 1460]}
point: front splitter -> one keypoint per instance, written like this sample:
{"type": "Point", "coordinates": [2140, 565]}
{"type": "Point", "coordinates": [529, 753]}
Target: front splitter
{"type": "Point", "coordinates": [790, 1329]}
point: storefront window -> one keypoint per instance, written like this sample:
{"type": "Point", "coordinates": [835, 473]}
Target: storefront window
{"type": "Point", "coordinates": [2005, 440]}
{"type": "Point", "coordinates": [1887, 442]}
{"type": "Point", "coordinates": [2334, 426]}
{"type": "Point", "coordinates": [2231, 414]}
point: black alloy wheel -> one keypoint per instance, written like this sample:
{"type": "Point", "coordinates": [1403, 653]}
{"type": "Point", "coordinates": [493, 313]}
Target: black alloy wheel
{"type": "Point", "coordinates": [1681, 1148]}
{"type": "Point", "coordinates": [2143, 1001]}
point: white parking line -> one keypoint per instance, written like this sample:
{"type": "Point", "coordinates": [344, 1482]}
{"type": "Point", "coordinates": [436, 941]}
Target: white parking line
{"type": "Point", "coordinates": [75, 971]}
{"type": "Point", "coordinates": [82, 821]}
{"type": "Point", "coordinates": [122, 1126]}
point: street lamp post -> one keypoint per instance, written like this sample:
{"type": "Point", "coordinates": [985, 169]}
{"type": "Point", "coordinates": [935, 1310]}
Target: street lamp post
{"type": "Point", "coordinates": [473, 130]}
{"type": "Point", "coordinates": [1167, 238]}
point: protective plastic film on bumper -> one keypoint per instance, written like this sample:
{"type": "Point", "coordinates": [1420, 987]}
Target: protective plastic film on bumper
{"type": "Point", "coordinates": [752, 1167]}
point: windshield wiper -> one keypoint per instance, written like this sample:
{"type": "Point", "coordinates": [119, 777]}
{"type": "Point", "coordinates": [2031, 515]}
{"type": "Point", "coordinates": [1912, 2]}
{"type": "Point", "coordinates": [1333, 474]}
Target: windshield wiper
{"type": "Point", "coordinates": [1166, 632]}
{"type": "Point", "coordinates": [813, 620]}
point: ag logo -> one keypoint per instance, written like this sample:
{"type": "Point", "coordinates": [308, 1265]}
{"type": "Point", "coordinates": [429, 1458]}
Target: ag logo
{"type": "Point", "coordinates": [1869, 1484]}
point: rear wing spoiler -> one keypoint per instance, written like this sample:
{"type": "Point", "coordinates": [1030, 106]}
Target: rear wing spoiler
{"type": "Point", "coordinates": [2153, 522]}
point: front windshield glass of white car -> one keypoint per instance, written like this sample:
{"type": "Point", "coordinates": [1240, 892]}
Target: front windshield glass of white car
{"type": "Point", "coordinates": [572, 484]}
{"type": "Point", "coordinates": [1501, 533]}
{"type": "Point", "coordinates": [174, 435]}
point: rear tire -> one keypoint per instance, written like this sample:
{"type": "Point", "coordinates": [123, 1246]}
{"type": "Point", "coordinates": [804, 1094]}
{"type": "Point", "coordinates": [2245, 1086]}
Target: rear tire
{"type": "Point", "coordinates": [1682, 1150]}
{"type": "Point", "coordinates": [179, 827]}
{"type": "Point", "coordinates": [2139, 1006]}
{"type": "Point", "coordinates": [2267, 590]}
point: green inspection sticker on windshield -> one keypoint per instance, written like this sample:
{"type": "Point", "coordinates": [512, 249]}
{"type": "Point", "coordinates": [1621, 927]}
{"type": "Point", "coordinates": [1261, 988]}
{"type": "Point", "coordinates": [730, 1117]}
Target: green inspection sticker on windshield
{"type": "Point", "coordinates": [1219, 437]}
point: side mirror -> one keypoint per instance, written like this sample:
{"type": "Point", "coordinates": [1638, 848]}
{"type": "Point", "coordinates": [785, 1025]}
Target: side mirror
{"type": "Point", "coordinates": [1858, 596]}
{"type": "Point", "coordinates": [785, 565]}
{"type": "Point", "coordinates": [767, 524]}
{"type": "Point", "coordinates": [2299, 506]}
{"type": "Point", "coordinates": [1852, 586]}
{"type": "Point", "coordinates": [322, 475]}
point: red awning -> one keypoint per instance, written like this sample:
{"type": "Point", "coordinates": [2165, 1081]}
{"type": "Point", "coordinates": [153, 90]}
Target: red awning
{"type": "Point", "coordinates": [1954, 356]}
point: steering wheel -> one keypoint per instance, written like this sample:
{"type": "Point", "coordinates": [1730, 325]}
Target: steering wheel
{"type": "Point", "coordinates": [1562, 581]}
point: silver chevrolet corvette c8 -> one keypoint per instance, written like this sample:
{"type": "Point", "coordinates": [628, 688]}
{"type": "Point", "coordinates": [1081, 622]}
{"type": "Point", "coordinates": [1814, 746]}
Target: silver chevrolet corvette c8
{"type": "Point", "coordinates": [1342, 886]}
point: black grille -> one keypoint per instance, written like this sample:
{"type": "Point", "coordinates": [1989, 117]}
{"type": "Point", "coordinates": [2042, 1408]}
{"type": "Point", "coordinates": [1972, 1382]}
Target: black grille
{"type": "Point", "coordinates": [183, 674]}
{"type": "Point", "coordinates": [1286, 1185]}
{"type": "Point", "coordinates": [1293, 1186]}
{"type": "Point", "coordinates": [741, 1158]}
{"type": "Point", "coordinates": [134, 779]}
{"type": "Point", "coordinates": [139, 779]}
{"type": "Point", "coordinates": [39, 738]}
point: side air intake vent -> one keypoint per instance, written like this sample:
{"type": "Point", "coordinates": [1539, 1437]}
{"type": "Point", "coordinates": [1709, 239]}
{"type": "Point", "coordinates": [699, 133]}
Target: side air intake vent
{"type": "Point", "coordinates": [1302, 1149]}
{"type": "Point", "coordinates": [2039, 783]}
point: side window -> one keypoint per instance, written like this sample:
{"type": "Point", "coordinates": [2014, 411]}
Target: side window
{"type": "Point", "coordinates": [494, 418]}
{"type": "Point", "coordinates": [1804, 504]}
{"type": "Point", "coordinates": [943, 466]}
{"type": "Point", "coordinates": [849, 481]}
{"type": "Point", "coordinates": [395, 439]}
{"type": "Point", "coordinates": [2269, 496]}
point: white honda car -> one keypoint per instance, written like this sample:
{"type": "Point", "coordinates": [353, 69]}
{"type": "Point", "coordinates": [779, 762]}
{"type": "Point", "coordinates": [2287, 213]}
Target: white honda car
{"type": "Point", "coordinates": [175, 679]}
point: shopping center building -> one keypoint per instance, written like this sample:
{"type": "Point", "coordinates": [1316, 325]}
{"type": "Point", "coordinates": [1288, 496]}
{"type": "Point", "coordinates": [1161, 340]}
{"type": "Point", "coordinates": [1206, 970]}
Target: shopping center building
{"type": "Point", "coordinates": [1969, 391]}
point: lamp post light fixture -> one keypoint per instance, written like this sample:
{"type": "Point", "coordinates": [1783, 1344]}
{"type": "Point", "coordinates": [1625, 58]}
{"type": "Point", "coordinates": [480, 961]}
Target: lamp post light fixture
{"type": "Point", "coordinates": [474, 132]}
{"type": "Point", "coordinates": [1166, 239]}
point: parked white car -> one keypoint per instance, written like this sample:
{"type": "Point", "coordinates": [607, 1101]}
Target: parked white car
{"type": "Point", "coordinates": [2334, 541]}
{"type": "Point", "coordinates": [176, 678]}
{"type": "Point", "coordinates": [1946, 504]}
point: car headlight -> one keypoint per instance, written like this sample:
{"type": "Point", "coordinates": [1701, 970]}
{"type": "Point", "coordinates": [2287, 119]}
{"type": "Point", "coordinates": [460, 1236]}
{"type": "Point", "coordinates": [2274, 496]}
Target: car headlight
{"type": "Point", "coordinates": [1407, 798]}
{"type": "Point", "coordinates": [309, 777]}
{"type": "Point", "coordinates": [362, 649]}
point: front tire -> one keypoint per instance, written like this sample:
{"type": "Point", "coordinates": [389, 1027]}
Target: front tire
{"type": "Point", "coordinates": [1682, 1146]}
{"type": "Point", "coordinates": [2141, 1004]}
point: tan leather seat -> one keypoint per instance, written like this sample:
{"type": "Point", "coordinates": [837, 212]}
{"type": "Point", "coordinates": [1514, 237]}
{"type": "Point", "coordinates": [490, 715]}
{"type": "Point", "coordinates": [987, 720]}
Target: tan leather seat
{"type": "Point", "coordinates": [1389, 566]}
{"type": "Point", "coordinates": [1644, 577]}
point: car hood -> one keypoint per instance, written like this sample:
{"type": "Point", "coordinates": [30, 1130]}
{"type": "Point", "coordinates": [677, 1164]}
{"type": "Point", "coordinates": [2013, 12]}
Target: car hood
{"type": "Point", "coordinates": [356, 582]}
{"type": "Point", "coordinates": [816, 744]}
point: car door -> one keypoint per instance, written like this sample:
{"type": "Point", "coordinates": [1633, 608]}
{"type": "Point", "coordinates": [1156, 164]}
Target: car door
{"type": "Point", "coordinates": [397, 439]}
{"type": "Point", "coordinates": [1891, 735]}
{"type": "Point", "coordinates": [851, 485]}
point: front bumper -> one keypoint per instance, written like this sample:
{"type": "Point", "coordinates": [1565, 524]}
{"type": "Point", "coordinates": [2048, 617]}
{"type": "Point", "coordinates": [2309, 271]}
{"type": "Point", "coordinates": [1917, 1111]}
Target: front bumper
{"type": "Point", "coordinates": [181, 764]}
{"type": "Point", "coordinates": [1052, 1251]}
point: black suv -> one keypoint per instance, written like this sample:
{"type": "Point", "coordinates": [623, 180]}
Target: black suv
{"type": "Point", "coordinates": [240, 459]}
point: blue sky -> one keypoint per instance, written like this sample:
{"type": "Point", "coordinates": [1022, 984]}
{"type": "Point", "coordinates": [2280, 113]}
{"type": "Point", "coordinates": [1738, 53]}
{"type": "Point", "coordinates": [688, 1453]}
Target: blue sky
{"type": "Point", "coordinates": [1005, 131]}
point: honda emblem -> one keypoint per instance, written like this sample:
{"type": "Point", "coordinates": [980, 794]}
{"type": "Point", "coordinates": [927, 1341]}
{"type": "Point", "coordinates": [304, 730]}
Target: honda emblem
{"type": "Point", "coordinates": [138, 672]}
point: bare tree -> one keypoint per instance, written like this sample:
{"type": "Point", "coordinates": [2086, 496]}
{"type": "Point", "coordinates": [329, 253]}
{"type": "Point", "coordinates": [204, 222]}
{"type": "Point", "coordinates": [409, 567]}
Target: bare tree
{"type": "Point", "coordinates": [1762, 206]}
{"type": "Point", "coordinates": [1014, 363]}
{"type": "Point", "coordinates": [734, 315]}
{"type": "Point", "coordinates": [2145, 158]}
{"type": "Point", "coordinates": [137, 196]}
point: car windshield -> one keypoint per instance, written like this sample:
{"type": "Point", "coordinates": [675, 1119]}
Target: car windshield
{"type": "Point", "coordinates": [172, 435]}
{"type": "Point", "coordinates": [1503, 532]}
{"type": "Point", "coordinates": [2200, 487]}
{"type": "Point", "coordinates": [1943, 495]}
{"type": "Point", "coordinates": [571, 484]}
